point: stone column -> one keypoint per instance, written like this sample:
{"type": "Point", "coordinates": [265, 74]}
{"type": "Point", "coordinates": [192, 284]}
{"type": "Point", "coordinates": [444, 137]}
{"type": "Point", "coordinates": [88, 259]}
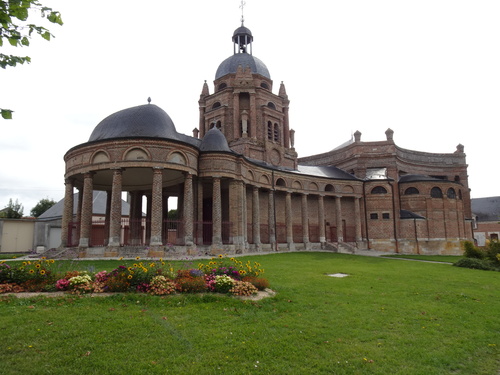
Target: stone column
{"type": "Point", "coordinates": [107, 218]}
{"type": "Point", "coordinates": [305, 222]}
{"type": "Point", "coordinates": [321, 220]}
{"type": "Point", "coordinates": [67, 213]}
{"type": "Point", "coordinates": [156, 208]}
{"type": "Point", "coordinates": [272, 220]}
{"type": "Point", "coordinates": [216, 213]}
{"type": "Point", "coordinates": [116, 210]}
{"type": "Point", "coordinates": [245, 215]}
{"type": "Point", "coordinates": [236, 214]}
{"type": "Point", "coordinates": [289, 221]}
{"type": "Point", "coordinates": [188, 210]}
{"type": "Point", "coordinates": [357, 218]}
{"type": "Point", "coordinates": [86, 218]}
{"type": "Point", "coordinates": [338, 209]}
{"type": "Point", "coordinates": [253, 117]}
{"type": "Point", "coordinates": [256, 217]}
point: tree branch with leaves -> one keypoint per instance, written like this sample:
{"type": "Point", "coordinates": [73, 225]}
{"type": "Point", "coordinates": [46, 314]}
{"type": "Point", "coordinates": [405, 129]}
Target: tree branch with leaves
{"type": "Point", "coordinates": [16, 31]}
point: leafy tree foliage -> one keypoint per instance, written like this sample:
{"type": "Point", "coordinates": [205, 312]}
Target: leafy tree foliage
{"type": "Point", "coordinates": [13, 210]}
{"type": "Point", "coordinates": [42, 206]}
{"type": "Point", "coordinates": [15, 30]}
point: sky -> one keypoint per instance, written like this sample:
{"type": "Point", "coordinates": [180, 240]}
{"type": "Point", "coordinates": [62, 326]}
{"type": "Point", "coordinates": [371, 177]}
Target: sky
{"type": "Point", "coordinates": [427, 69]}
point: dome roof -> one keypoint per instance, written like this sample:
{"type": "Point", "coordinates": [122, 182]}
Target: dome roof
{"type": "Point", "coordinates": [214, 140]}
{"type": "Point", "coordinates": [242, 31]}
{"type": "Point", "coordinates": [230, 65]}
{"type": "Point", "coordinates": [146, 120]}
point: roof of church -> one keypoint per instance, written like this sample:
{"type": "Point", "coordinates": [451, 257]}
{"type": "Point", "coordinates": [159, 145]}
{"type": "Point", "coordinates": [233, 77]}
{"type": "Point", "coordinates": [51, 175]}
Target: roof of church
{"type": "Point", "coordinates": [146, 120]}
{"type": "Point", "coordinates": [325, 171]}
{"type": "Point", "coordinates": [214, 140]}
{"type": "Point", "coordinates": [417, 178]}
{"type": "Point", "coordinates": [405, 214]}
{"type": "Point", "coordinates": [230, 65]}
{"type": "Point", "coordinates": [486, 209]}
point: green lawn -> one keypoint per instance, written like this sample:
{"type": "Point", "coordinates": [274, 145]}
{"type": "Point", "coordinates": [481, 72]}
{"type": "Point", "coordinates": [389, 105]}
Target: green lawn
{"type": "Point", "coordinates": [429, 258]}
{"type": "Point", "coordinates": [386, 317]}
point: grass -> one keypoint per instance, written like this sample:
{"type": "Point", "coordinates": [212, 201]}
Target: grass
{"type": "Point", "coordinates": [387, 316]}
{"type": "Point", "coordinates": [11, 255]}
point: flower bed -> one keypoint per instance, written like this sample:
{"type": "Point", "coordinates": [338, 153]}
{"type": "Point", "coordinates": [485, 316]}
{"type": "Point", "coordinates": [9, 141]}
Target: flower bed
{"type": "Point", "coordinates": [218, 275]}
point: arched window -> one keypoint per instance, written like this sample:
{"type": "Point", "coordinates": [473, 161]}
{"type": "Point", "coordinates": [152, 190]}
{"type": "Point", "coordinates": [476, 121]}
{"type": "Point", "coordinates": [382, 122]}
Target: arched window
{"type": "Point", "coordinates": [280, 182]}
{"type": "Point", "coordinates": [451, 193]}
{"type": "Point", "coordinates": [216, 105]}
{"type": "Point", "coordinates": [329, 187]}
{"type": "Point", "coordinates": [436, 192]}
{"type": "Point", "coordinates": [411, 190]}
{"type": "Point", "coordinates": [276, 133]}
{"type": "Point", "coordinates": [270, 130]}
{"type": "Point", "coordinates": [271, 105]}
{"type": "Point", "coordinates": [379, 190]}
{"type": "Point", "coordinates": [222, 86]}
{"type": "Point", "coordinates": [264, 85]}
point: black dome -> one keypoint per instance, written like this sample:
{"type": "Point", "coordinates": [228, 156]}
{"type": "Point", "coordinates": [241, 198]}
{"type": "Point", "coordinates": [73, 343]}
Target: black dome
{"type": "Point", "coordinates": [230, 65]}
{"type": "Point", "coordinates": [146, 120]}
{"type": "Point", "coordinates": [214, 140]}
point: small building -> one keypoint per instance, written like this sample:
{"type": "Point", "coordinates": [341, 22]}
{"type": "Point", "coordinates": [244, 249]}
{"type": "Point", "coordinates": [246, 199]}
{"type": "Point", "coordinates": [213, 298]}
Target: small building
{"type": "Point", "coordinates": [486, 213]}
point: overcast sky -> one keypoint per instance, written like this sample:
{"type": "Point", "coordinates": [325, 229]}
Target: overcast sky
{"type": "Point", "coordinates": [429, 70]}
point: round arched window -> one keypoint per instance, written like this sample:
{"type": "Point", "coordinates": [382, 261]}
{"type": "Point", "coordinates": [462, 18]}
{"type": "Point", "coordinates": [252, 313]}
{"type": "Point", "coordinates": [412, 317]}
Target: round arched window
{"type": "Point", "coordinates": [379, 190]}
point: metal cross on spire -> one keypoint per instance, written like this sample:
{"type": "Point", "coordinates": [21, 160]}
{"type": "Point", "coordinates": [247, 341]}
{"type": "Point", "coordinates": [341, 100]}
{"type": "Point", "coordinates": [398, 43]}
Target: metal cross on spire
{"type": "Point", "coordinates": [242, 6]}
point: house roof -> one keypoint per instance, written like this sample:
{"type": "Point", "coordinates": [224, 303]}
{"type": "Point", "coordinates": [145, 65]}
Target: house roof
{"type": "Point", "coordinates": [98, 206]}
{"type": "Point", "coordinates": [486, 209]}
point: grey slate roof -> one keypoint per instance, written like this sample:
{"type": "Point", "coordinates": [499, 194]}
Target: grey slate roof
{"type": "Point", "coordinates": [230, 65]}
{"type": "Point", "coordinates": [486, 209]}
{"type": "Point", "coordinates": [146, 120]}
{"type": "Point", "coordinates": [98, 207]}
{"type": "Point", "coordinates": [405, 214]}
{"type": "Point", "coordinates": [214, 140]}
{"type": "Point", "coordinates": [417, 178]}
{"type": "Point", "coordinates": [330, 172]}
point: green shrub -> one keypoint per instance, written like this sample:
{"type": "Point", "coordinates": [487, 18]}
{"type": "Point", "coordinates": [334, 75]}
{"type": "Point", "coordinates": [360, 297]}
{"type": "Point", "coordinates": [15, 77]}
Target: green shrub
{"type": "Point", "coordinates": [471, 251]}
{"type": "Point", "coordinates": [475, 263]}
{"type": "Point", "coordinates": [493, 251]}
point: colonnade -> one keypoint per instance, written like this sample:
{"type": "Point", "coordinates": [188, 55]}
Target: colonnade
{"type": "Point", "coordinates": [234, 207]}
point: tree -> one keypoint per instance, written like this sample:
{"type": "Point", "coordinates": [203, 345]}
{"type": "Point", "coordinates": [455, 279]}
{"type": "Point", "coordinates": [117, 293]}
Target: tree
{"type": "Point", "coordinates": [13, 210]}
{"type": "Point", "coordinates": [42, 206]}
{"type": "Point", "coordinates": [17, 32]}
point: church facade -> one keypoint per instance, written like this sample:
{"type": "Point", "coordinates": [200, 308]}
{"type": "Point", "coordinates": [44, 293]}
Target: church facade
{"type": "Point", "coordinates": [241, 188]}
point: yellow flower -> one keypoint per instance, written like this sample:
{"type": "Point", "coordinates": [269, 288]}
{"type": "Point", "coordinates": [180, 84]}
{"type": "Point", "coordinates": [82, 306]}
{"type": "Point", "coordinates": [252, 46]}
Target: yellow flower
{"type": "Point", "coordinates": [52, 261]}
{"type": "Point", "coordinates": [130, 269]}
{"type": "Point", "coordinates": [161, 259]}
{"type": "Point", "coordinates": [37, 265]}
{"type": "Point", "coordinates": [129, 277]}
{"type": "Point", "coordinates": [135, 265]}
{"type": "Point", "coordinates": [32, 271]}
{"type": "Point", "coordinates": [137, 258]}
{"type": "Point", "coordinates": [42, 272]}
{"type": "Point", "coordinates": [220, 255]}
{"type": "Point", "coordinates": [162, 263]}
{"type": "Point", "coordinates": [121, 258]}
{"type": "Point", "coordinates": [24, 263]}
{"type": "Point", "coordinates": [44, 258]}
{"type": "Point", "coordinates": [151, 265]}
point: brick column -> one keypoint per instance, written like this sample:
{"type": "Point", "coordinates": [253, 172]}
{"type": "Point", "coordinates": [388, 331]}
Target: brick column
{"type": "Point", "coordinates": [245, 214]}
{"type": "Point", "coordinates": [115, 226]}
{"type": "Point", "coordinates": [357, 218]}
{"type": "Point", "coordinates": [271, 220]}
{"type": "Point", "coordinates": [256, 217]}
{"type": "Point", "coordinates": [305, 221]}
{"type": "Point", "coordinates": [216, 213]}
{"type": "Point", "coordinates": [156, 208]}
{"type": "Point", "coordinates": [321, 220]}
{"type": "Point", "coordinates": [135, 218]}
{"type": "Point", "coordinates": [289, 221]}
{"type": "Point", "coordinates": [67, 213]}
{"type": "Point", "coordinates": [188, 210]}
{"type": "Point", "coordinates": [338, 209]}
{"type": "Point", "coordinates": [199, 214]}
{"type": "Point", "coordinates": [86, 218]}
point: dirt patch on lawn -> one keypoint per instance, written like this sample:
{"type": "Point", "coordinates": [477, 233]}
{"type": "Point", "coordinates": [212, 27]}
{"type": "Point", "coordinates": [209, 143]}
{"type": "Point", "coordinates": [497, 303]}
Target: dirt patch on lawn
{"type": "Point", "coordinates": [256, 297]}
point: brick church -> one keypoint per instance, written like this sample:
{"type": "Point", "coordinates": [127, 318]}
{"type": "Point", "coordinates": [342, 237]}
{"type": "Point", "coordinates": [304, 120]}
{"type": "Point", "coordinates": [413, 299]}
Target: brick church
{"type": "Point", "coordinates": [241, 188]}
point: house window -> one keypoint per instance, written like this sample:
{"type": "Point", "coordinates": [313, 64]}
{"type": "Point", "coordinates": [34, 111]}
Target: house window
{"type": "Point", "coordinates": [494, 236]}
{"type": "Point", "coordinates": [271, 105]}
{"type": "Point", "coordinates": [269, 130]}
{"type": "Point", "coordinates": [436, 192]}
{"type": "Point", "coordinates": [386, 216]}
{"type": "Point", "coordinates": [379, 190]}
{"type": "Point", "coordinates": [411, 191]}
{"type": "Point", "coordinates": [374, 216]}
{"type": "Point", "coordinates": [216, 105]}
